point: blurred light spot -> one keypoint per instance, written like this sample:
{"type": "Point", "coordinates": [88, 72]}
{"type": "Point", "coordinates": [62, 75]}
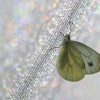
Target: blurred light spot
{"type": "Point", "coordinates": [4, 81]}
{"type": "Point", "coordinates": [9, 79]}
{"type": "Point", "coordinates": [91, 23]}
{"type": "Point", "coordinates": [54, 84]}
{"type": "Point", "coordinates": [14, 42]}
{"type": "Point", "coordinates": [23, 21]}
{"type": "Point", "coordinates": [7, 48]}
{"type": "Point", "coordinates": [9, 89]}
{"type": "Point", "coordinates": [10, 38]}
{"type": "Point", "coordinates": [18, 69]}
{"type": "Point", "coordinates": [46, 17]}
{"type": "Point", "coordinates": [15, 17]}
{"type": "Point", "coordinates": [16, 65]}
{"type": "Point", "coordinates": [7, 62]}
{"type": "Point", "coordinates": [21, 4]}
{"type": "Point", "coordinates": [30, 40]}
{"type": "Point", "coordinates": [99, 6]}
{"type": "Point", "coordinates": [41, 7]}
{"type": "Point", "coordinates": [54, 5]}
{"type": "Point", "coordinates": [49, 95]}
{"type": "Point", "coordinates": [57, 1]}
{"type": "Point", "coordinates": [30, 6]}
{"type": "Point", "coordinates": [9, 24]}
{"type": "Point", "coordinates": [4, 86]}
{"type": "Point", "coordinates": [44, 83]}
{"type": "Point", "coordinates": [23, 12]}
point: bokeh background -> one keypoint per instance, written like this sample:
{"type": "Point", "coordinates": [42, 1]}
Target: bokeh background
{"type": "Point", "coordinates": [25, 25]}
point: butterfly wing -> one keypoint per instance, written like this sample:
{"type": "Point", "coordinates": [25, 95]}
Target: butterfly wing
{"type": "Point", "coordinates": [70, 64]}
{"type": "Point", "coordinates": [91, 58]}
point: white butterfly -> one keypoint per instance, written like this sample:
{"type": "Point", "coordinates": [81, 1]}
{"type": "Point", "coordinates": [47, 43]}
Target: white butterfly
{"type": "Point", "coordinates": [75, 60]}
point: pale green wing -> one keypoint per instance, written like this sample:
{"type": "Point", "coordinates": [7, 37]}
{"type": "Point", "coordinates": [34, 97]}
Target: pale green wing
{"type": "Point", "coordinates": [91, 58]}
{"type": "Point", "coordinates": [70, 64]}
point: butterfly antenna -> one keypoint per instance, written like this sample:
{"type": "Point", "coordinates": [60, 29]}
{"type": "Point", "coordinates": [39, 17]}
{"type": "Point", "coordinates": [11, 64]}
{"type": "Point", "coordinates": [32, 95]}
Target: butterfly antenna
{"type": "Point", "coordinates": [70, 23]}
{"type": "Point", "coordinates": [62, 34]}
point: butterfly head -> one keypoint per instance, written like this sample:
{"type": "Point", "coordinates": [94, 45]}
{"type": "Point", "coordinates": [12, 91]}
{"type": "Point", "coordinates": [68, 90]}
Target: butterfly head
{"type": "Point", "coordinates": [66, 39]}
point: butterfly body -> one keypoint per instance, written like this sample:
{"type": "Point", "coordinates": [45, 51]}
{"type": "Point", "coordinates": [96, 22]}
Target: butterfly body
{"type": "Point", "coordinates": [75, 60]}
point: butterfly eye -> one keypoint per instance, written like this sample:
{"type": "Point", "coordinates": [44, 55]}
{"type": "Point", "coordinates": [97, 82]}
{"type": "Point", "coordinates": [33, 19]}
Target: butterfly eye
{"type": "Point", "coordinates": [68, 37]}
{"type": "Point", "coordinates": [90, 64]}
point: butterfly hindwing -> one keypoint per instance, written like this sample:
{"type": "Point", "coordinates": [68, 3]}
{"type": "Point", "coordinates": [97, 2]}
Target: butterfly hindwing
{"type": "Point", "coordinates": [70, 64]}
{"type": "Point", "coordinates": [91, 58]}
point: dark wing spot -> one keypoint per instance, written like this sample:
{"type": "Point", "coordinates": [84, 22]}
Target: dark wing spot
{"type": "Point", "coordinates": [90, 64]}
